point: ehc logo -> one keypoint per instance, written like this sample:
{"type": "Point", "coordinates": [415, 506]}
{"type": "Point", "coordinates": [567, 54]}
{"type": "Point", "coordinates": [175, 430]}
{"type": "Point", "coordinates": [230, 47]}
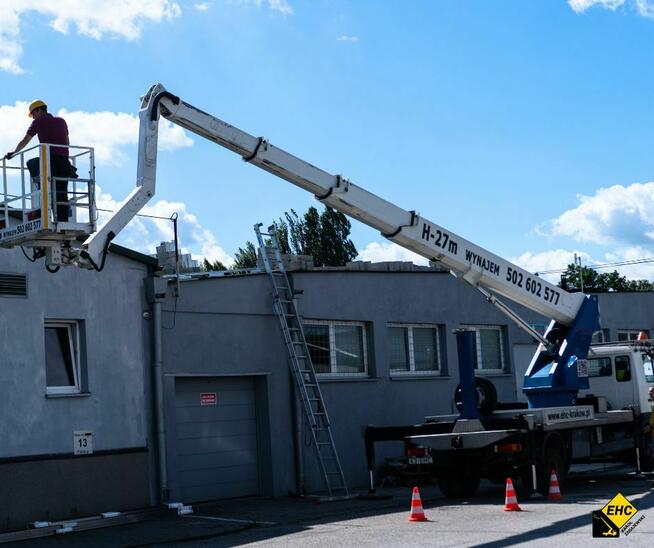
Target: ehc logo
{"type": "Point", "coordinates": [614, 518]}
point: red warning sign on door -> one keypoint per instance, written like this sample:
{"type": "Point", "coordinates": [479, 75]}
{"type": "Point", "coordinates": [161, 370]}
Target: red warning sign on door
{"type": "Point", "coordinates": [208, 398]}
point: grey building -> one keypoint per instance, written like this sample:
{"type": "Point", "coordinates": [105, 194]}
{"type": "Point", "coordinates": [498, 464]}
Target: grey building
{"type": "Point", "coordinates": [78, 374]}
{"type": "Point", "coordinates": [381, 337]}
{"type": "Point", "coordinates": [73, 389]}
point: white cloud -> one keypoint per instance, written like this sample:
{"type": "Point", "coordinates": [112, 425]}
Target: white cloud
{"type": "Point", "coordinates": [582, 5]}
{"type": "Point", "coordinates": [644, 8]}
{"type": "Point", "coordinates": [618, 214]}
{"type": "Point", "coordinates": [144, 234]}
{"type": "Point", "coordinates": [202, 6]}
{"type": "Point", "coordinates": [388, 251]}
{"type": "Point", "coordinates": [93, 18]}
{"type": "Point", "coordinates": [114, 135]}
{"type": "Point", "coordinates": [559, 259]}
{"type": "Point", "coordinates": [636, 271]}
{"type": "Point", "coordinates": [556, 259]}
{"type": "Point", "coordinates": [618, 219]}
{"type": "Point", "coordinates": [346, 38]}
{"type": "Point", "coordinates": [281, 6]}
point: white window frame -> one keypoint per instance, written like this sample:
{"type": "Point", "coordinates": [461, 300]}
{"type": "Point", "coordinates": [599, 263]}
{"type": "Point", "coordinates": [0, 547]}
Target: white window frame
{"type": "Point", "coordinates": [630, 332]}
{"type": "Point", "coordinates": [73, 329]}
{"type": "Point", "coordinates": [412, 361]}
{"type": "Point", "coordinates": [477, 329]}
{"type": "Point", "coordinates": [332, 324]}
{"type": "Point", "coordinates": [602, 336]}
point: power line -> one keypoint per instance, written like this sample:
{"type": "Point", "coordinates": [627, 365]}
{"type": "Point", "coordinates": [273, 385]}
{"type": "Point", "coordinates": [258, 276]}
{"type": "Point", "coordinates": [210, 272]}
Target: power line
{"type": "Point", "coordinates": [139, 214]}
{"type": "Point", "coordinates": [602, 265]}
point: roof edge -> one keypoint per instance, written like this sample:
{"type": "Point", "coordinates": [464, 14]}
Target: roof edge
{"type": "Point", "coordinates": [134, 255]}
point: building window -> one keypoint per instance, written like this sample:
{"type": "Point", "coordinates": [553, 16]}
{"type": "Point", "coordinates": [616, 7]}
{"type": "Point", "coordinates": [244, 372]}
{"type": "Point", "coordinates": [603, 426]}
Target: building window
{"type": "Point", "coordinates": [489, 348]}
{"type": "Point", "coordinates": [600, 336]}
{"type": "Point", "coordinates": [337, 348]}
{"type": "Point", "coordinates": [622, 369]}
{"type": "Point", "coordinates": [317, 337]}
{"type": "Point", "coordinates": [414, 349]}
{"type": "Point", "coordinates": [62, 357]}
{"type": "Point", "coordinates": [599, 367]}
{"type": "Point", "coordinates": [631, 334]}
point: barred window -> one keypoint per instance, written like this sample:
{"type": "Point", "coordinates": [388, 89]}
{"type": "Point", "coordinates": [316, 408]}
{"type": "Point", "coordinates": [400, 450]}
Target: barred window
{"type": "Point", "coordinates": [414, 349]}
{"type": "Point", "coordinates": [600, 336]}
{"type": "Point", "coordinates": [631, 334]}
{"type": "Point", "coordinates": [489, 353]}
{"type": "Point", "coordinates": [337, 347]}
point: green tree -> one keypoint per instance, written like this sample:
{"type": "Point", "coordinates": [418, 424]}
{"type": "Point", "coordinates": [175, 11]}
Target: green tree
{"type": "Point", "coordinates": [245, 257]}
{"type": "Point", "coordinates": [324, 236]}
{"type": "Point", "coordinates": [640, 285]}
{"type": "Point", "coordinates": [335, 246]}
{"type": "Point", "coordinates": [212, 266]}
{"type": "Point", "coordinates": [599, 283]}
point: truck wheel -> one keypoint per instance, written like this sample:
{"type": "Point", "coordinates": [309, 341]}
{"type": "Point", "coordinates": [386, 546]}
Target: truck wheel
{"type": "Point", "coordinates": [555, 460]}
{"type": "Point", "coordinates": [524, 485]}
{"type": "Point", "coordinates": [646, 448]}
{"type": "Point", "coordinates": [458, 484]}
{"type": "Point", "coordinates": [485, 393]}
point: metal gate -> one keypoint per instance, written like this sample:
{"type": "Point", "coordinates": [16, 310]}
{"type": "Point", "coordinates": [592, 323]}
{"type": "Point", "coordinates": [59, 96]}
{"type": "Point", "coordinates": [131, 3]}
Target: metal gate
{"type": "Point", "coordinates": [216, 438]}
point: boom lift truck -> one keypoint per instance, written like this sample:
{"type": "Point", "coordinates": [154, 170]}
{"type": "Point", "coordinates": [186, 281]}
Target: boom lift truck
{"type": "Point", "coordinates": [558, 426]}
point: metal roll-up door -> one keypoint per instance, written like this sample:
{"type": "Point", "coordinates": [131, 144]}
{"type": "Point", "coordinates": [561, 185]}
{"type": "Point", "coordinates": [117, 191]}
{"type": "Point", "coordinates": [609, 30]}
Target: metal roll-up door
{"type": "Point", "coordinates": [216, 438]}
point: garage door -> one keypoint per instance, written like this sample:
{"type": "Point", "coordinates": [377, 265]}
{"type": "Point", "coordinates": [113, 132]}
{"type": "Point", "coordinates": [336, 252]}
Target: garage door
{"type": "Point", "coordinates": [216, 438]}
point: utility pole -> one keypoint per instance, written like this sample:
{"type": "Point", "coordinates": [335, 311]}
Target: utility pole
{"type": "Point", "coordinates": [581, 273]}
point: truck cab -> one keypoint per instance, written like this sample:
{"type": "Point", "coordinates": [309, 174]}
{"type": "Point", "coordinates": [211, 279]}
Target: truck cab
{"type": "Point", "coordinates": [622, 373]}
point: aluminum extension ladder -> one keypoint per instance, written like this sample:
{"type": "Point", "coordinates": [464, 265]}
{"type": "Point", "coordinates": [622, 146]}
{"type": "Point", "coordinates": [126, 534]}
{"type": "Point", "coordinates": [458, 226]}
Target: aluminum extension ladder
{"type": "Point", "coordinates": [301, 365]}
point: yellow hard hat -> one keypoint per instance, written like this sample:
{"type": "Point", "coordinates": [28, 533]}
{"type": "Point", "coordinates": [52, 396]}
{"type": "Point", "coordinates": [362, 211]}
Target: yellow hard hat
{"type": "Point", "coordinates": [34, 105]}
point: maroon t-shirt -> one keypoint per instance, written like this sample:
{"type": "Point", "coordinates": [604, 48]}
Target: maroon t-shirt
{"type": "Point", "coordinates": [51, 129]}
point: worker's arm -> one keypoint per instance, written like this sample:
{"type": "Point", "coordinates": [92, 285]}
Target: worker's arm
{"type": "Point", "coordinates": [20, 146]}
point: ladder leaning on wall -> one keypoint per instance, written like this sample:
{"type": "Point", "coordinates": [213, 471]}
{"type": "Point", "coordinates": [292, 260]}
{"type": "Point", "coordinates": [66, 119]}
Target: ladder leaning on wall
{"type": "Point", "coordinates": [301, 364]}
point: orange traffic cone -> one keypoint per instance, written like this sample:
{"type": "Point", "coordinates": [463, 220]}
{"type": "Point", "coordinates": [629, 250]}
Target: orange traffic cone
{"type": "Point", "coordinates": [510, 501]}
{"type": "Point", "coordinates": [417, 513]}
{"type": "Point", "coordinates": [554, 492]}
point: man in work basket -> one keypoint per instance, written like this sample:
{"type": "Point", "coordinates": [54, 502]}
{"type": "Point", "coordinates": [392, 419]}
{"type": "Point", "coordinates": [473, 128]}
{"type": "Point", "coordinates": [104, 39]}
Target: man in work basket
{"type": "Point", "coordinates": [53, 130]}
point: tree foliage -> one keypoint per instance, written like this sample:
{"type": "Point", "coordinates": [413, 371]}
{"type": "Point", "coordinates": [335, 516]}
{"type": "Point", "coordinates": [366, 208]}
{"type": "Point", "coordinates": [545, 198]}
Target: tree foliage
{"type": "Point", "coordinates": [209, 266]}
{"type": "Point", "coordinates": [594, 282]}
{"type": "Point", "coordinates": [324, 236]}
{"type": "Point", "coordinates": [245, 257]}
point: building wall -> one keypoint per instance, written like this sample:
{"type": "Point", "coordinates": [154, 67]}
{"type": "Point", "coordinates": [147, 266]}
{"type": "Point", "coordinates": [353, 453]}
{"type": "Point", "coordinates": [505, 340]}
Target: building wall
{"type": "Point", "coordinates": [627, 311]}
{"type": "Point", "coordinates": [218, 327]}
{"type": "Point", "coordinates": [36, 430]}
{"type": "Point", "coordinates": [225, 326]}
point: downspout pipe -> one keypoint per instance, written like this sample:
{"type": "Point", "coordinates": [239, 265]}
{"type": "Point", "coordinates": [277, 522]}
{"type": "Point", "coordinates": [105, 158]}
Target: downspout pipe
{"type": "Point", "coordinates": [157, 294]}
{"type": "Point", "coordinates": [299, 441]}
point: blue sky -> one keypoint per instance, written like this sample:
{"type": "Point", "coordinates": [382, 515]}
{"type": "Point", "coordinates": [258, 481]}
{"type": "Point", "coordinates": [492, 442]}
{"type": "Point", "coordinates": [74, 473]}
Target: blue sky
{"type": "Point", "coordinates": [523, 126]}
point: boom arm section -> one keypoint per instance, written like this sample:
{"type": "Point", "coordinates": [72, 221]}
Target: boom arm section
{"type": "Point", "coordinates": [478, 267]}
{"type": "Point", "coordinates": [466, 260]}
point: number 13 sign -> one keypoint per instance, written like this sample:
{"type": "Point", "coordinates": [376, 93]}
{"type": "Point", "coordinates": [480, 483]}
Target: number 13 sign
{"type": "Point", "coordinates": [82, 442]}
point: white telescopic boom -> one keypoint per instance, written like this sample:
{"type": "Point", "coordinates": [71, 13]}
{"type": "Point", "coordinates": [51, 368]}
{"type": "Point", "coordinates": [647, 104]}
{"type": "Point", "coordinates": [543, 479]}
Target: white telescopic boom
{"type": "Point", "coordinates": [466, 260]}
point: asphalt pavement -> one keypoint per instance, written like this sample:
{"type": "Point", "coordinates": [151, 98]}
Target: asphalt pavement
{"type": "Point", "coordinates": [382, 520]}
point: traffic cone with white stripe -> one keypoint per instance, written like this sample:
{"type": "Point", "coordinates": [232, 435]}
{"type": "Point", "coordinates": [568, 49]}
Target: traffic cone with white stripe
{"type": "Point", "coordinates": [417, 513]}
{"type": "Point", "coordinates": [554, 492]}
{"type": "Point", "coordinates": [510, 500]}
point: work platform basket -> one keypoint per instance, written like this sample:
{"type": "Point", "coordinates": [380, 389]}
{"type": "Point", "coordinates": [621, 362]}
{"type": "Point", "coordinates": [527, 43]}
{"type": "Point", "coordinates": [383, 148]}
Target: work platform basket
{"type": "Point", "coordinates": [47, 201]}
